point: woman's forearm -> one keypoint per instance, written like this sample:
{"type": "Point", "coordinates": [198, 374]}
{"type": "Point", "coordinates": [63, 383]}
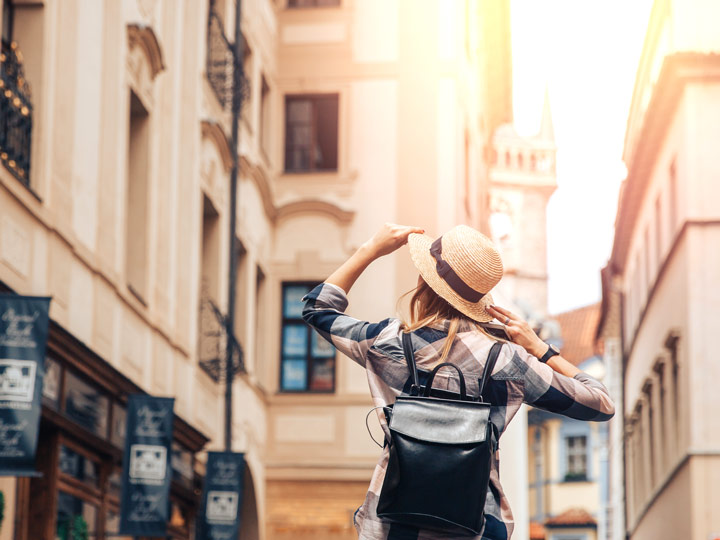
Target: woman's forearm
{"type": "Point", "coordinates": [389, 238]}
{"type": "Point", "coordinates": [557, 362]}
{"type": "Point", "coordinates": [346, 275]}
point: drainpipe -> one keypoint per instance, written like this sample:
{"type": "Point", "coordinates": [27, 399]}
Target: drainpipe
{"type": "Point", "coordinates": [232, 267]}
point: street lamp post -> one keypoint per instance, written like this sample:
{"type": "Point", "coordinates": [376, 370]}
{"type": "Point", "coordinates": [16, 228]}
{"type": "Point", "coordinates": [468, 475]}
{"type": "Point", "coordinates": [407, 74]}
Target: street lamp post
{"type": "Point", "coordinates": [237, 95]}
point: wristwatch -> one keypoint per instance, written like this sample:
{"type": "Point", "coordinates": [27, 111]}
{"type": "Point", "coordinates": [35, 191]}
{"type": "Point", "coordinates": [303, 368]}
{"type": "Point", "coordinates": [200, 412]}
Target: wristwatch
{"type": "Point", "coordinates": [552, 351]}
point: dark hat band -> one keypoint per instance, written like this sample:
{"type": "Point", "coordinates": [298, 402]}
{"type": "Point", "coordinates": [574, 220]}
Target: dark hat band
{"type": "Point", "coordinates": [446, 272]}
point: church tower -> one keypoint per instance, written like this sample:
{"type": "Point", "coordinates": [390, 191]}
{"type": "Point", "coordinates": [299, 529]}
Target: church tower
{"type": "Point", "coordinates": [522, 179]}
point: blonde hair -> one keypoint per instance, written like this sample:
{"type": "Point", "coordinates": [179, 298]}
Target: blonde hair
{"type": "Point", "coordinates": [427, 307]}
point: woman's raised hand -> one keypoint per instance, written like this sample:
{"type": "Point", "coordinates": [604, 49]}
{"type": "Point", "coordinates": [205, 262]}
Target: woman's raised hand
{"type": "Point", "coordinates": [519, 330]}
{"type": "Point", "coordinates": [389, 238]}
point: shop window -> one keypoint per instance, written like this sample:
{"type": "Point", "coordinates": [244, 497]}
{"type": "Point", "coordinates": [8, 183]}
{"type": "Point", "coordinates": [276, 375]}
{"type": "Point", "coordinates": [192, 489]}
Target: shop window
{"type": "Point", "coordinates": [76, 518]}
{"type": "Point", "coordinates": [308, 361]}
{"type": "Point", "coordinates": [51, 383]}
{"type": "Point", "coordinates": [86, 405]}
{"type": "Point", "coordinates": [112, 525]}
{"type": "Point", "coordinates": [576, 455]}
{"type": "Point", "coordinates": [136, 209]}
{"type": "Point", "coordinates": [182, 465]}
{"type": "Point", "coordinates": [115, 483]}
{"type": "Point", "coordinates": [118, 428]}
{"type": "Point", "coordinates": [312, 3]}
{"type": "Point", "coordinates": [311, 133]}
{"type": "Point", "coordinates": [78, 466]}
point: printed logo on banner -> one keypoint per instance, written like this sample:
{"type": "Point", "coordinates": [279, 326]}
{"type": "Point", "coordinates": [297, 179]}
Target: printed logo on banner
{"type": "Point", "coordinates": [150, 422]}
{"type": "Point", "coordinates": [147, 463]}
{"type": "Point", "coordinates": [17, 380]}
{"type": "Point", "coordinates": [221, 506]}
{"type": "Point", "coordinates": [19, 328]}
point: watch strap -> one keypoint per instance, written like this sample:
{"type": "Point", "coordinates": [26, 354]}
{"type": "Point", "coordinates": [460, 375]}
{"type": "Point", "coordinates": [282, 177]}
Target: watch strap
{"type": "Point", "coordinates": [549, 354]}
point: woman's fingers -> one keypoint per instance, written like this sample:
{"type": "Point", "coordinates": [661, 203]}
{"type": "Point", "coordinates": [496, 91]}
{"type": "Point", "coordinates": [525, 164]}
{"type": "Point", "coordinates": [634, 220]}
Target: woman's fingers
{"type": "Point", "coordinates": [502, 311]}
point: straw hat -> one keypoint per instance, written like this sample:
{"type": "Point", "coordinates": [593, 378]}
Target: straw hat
{"type": "Point", "coordinates": [461, 267]}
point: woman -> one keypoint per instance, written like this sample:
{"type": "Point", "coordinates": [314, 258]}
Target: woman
{"type": "Point", "coordinates": [457, 272]}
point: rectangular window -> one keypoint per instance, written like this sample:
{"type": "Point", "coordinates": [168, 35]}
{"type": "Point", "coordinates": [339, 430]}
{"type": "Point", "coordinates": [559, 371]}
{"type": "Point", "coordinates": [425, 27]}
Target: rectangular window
{"type": "Point", "coordinates": [247, 75]}
{"type": "Point", "coordinates": [650, 433]}
{"type": "Point", "coordinates": [260, 303]}
{"type": "Point", "coordinates": [51, 383]}
{"type": "Point", "coordinates": [136, 210]}
{"type": "Point", "coordinates": [265, 117]}
{"type": "Point", "coordinates": [86, 405]}
{"type": "Point", "coordinates": [78, 466]}
{"type": "Point", "coordinates": [210, 251]}
{"type": "Point", "coordinates": [312, 3]}
{"type": "Point", "coordinates": [576, 452]}
{"type": "Point", "coordinates": [307, 360]}
{"type": "Point", "coordinates": [75, 513]}
{"type": "Point", "coordinates": [311, 133]}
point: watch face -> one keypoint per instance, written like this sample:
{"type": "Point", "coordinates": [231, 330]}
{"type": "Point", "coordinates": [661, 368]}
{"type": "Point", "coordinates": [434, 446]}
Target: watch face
{"type": "Point", "coordinates": [554, 349]}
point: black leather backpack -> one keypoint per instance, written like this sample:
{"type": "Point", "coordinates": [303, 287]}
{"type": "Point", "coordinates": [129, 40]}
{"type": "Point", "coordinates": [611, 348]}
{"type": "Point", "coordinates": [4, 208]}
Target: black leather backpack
{"type": "Point", "coordinates": [440, 455]}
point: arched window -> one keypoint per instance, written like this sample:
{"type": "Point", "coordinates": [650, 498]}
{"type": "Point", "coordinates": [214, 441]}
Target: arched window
{"type": "Point", "coordinates": [533, 162]}
{"type": "Point", "coordinates": [520, 161]}
{"type": "Point", "coordinates": [507, 158]}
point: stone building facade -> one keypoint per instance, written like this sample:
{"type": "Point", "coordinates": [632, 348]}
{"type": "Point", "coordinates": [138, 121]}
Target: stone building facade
{"type": "Point", "coordinates": [114, 201]}
{"type": "Point", "coordinates": [665, 266]}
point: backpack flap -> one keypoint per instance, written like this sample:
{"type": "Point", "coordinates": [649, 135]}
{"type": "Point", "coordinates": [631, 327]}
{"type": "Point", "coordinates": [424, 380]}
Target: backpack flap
{"type": "Point", "coordinates": [442, 421]}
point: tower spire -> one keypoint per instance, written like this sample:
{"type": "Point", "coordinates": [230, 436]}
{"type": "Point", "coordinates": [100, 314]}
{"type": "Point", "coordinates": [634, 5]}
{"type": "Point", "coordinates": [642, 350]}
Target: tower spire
{"type": "Point", "coordinates": [547, 131]}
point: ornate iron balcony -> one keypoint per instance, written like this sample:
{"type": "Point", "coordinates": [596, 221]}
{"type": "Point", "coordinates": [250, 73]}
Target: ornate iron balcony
{"type": "Point", "coordinates": [212, 342]}
{"type": "Point", "coordinates": [15, 113]}
{"type": "Point", "coordinates": [221, 65]}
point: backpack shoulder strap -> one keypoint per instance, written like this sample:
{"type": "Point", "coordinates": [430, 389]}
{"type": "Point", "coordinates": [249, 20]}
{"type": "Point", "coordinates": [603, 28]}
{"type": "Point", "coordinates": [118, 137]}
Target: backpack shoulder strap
{"type": "Point", "coordinates": [489, 366]}
{"type": "Point", "coordinates": [410, 359]}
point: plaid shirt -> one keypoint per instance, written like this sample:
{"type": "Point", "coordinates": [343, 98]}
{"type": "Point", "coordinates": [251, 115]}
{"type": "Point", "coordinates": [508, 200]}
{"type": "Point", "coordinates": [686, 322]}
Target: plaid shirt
{"type": "Point", "coordinates": [518, 378]}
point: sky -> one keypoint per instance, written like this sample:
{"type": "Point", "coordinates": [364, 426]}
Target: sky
{"type": "Point", "coordinates": [586, 53]}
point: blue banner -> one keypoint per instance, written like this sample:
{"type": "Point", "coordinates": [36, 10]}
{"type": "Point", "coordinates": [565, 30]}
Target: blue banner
{"type": "Point", "coordinates": [145, 507]}
{"type": "Point", "coordinates": [222, 497]}
{"type": "Point", "coordinates": [24, 322]}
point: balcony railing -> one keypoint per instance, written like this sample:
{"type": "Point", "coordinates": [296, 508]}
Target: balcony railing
{"type": "Point", "coordinates": [220, 62]}
{"type": "Point", "coordinates": [15, 114]}
{"type": "Point", "coordinates": [212, 342]}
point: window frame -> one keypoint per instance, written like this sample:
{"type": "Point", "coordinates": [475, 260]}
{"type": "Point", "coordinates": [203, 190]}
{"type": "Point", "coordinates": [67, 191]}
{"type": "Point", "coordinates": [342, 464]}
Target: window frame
{"type": "Point", "coordinates": [309, 359]}
{"type": "Point", "coordinates": [573, 476]}
{"type": "Point", "coordinates": [313, 97]}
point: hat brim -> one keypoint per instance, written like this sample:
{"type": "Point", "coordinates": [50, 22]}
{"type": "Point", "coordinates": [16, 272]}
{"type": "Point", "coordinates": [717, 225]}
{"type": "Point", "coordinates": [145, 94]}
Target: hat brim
{"type": "Point", "coordinates": [419, 245]}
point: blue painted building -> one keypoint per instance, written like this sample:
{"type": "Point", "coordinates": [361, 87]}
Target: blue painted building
{"type": "Point", "coordinates": [568, 471]}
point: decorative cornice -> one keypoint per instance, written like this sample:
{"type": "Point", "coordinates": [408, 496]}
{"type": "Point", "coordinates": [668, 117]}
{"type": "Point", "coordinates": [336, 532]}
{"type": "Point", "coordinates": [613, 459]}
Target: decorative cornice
{"type": "Point", "coordinates": [213, 131]}
{"type": "Point", "coordinates": [277, 213]}
{"type": "Point", "coordinates": [315, 206]}
{"type": "Point", "coordinates": [144, 36]}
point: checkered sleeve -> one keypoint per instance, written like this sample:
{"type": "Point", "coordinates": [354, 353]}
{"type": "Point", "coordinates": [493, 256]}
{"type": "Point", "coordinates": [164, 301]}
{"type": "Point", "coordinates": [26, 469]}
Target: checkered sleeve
{"type": "Point", "coordinates": [325, 309]}
{"type": "Point", "coordinates": [581, 397]}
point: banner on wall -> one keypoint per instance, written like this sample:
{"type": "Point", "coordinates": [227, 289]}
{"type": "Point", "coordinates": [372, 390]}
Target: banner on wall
{"type": "Point", "coordinates": [145, 506]}
{"type": "Point", "coordinates": [222, 496]}
{"type": "Point", "coordinates": [24, 322]}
